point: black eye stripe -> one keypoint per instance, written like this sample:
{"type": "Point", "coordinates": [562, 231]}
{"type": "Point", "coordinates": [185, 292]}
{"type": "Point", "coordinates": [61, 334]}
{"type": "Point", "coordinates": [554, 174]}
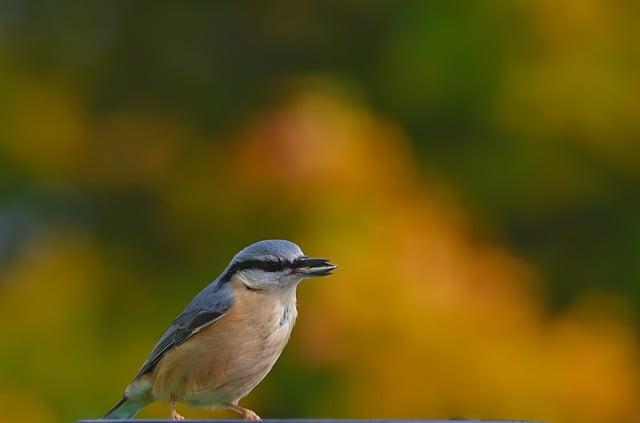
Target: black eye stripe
{"type": "Point", "coordinates": [266, 265]}
{"type": "Point", "coordinates": [299, 262]}
{"type": "Point", "coordinates": [271, 266]}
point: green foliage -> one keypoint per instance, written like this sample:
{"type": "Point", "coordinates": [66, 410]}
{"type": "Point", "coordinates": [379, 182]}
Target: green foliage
{"type": "Point", "coordinates": [143, 143]}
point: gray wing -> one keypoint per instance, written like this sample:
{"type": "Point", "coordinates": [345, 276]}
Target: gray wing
{"type": "Point", "coordinates": [207, 307]}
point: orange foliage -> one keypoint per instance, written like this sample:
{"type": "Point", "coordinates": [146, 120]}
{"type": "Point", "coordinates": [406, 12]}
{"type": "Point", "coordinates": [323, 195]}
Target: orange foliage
{"type": "Point", "coordinates": [422, 318]}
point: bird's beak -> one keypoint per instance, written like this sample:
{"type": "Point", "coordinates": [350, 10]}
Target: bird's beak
{"type": "Point", "coordinates": [316, 267]}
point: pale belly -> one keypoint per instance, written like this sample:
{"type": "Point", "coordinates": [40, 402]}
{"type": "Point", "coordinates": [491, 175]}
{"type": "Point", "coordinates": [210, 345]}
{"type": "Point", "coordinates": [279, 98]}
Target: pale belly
{"type": "Point", "coordinates": [226, 360]}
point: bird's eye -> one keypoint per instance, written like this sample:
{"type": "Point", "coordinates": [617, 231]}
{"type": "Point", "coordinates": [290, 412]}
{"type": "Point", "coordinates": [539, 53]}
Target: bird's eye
{"type": "Point", "coordinates": [272, 266]}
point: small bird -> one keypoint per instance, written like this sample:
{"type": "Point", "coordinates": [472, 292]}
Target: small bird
{"type": "Point", "coordinates": [228, 337]}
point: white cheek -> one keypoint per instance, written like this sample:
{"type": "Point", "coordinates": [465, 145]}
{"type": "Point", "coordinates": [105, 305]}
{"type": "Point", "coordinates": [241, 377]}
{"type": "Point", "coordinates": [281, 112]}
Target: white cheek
{"type": "Point", "coordinates": [260, 279]}
{"type": "Point", "coordinates": [259, 276]}
{"type": "Point", "coordinates": [292, 278]}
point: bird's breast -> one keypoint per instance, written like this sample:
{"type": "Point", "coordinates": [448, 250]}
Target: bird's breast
{"type": "Point", "coordinates": [228, 358]}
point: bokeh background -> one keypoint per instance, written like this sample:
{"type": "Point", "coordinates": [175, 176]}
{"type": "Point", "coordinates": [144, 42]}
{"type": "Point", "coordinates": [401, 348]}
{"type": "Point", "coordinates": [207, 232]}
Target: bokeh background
{"type": "Point", "coordinates": [472, 166]}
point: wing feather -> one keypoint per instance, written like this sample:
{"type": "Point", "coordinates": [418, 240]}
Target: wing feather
{"type": "Point", "coordinates": [206, 307]}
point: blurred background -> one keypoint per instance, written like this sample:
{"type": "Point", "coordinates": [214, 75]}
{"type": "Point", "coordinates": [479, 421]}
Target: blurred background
{"type": "Point", "coordinates": [473, 167]}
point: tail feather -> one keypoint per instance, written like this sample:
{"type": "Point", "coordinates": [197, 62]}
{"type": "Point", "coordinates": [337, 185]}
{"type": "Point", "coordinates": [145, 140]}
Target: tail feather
{"type": "Point", "coordinates": [126, 408]}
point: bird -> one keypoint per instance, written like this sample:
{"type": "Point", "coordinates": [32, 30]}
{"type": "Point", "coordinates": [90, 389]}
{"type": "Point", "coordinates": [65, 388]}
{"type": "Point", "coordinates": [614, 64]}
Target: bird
{"type": "Point", "coordinates": [227, 339]}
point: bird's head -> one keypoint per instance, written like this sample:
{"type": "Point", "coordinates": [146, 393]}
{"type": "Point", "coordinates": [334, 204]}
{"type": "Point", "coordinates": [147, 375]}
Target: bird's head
{"type": "Point", "coordinates": [274, 263]}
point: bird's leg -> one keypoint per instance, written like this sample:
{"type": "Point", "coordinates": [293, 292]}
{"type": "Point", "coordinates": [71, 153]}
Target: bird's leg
{"type": "Point", "coordinates": [244, 412]}
{"type": "Point", "coordinates": [174, 414]}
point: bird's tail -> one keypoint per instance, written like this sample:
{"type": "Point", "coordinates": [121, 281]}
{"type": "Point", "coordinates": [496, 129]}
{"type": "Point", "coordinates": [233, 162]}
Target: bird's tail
{"type": "Point", "coordinates": [126, 408]}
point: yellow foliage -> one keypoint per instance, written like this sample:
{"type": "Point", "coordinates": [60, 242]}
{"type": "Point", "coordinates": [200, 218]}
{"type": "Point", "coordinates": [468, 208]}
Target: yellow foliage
{"type": "Point", "coordinates": [44, 129]}
{"type": "Point", "coordinates": [25, 407]}
{"type": "Point", "coordinates": [422, 318]}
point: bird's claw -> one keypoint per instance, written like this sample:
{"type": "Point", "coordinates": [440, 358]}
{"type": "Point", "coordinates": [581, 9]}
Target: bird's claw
{"type": "Point", "coordinates": [244, 412]}
{"type": "Point", "coordinates": [251, 416]}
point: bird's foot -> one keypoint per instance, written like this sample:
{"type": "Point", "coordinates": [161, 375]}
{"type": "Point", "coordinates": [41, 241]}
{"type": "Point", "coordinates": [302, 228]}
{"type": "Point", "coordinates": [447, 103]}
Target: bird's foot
{"type": "Point", "coordinates": [175, 416]}
{"type": "Point", "coordinates": [250, 415]}
{"type": "Point", "coordinates": [174, 413]}
{"type": "Point", "coordinates": [244, 412]}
